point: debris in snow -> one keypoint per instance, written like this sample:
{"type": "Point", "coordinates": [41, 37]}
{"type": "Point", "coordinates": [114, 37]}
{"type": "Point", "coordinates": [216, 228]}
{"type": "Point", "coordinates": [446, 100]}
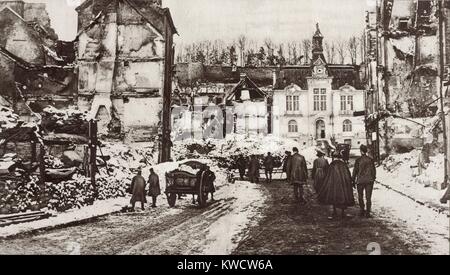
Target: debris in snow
{"type": "Point", "coordinates": [51, 53]}
{"type": "Point", "coordinates": [226, 151]}
{"type": "Point", "coordinates": [8, 119]}
{"type": "Point", "coordinates": [414, 177]}
{"type": "Point", "coordinates": [69, 121]}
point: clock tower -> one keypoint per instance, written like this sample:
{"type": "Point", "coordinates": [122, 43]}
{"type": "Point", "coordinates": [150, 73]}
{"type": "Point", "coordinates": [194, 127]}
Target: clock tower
{"type": "Point", "coordinates": [317, 43]}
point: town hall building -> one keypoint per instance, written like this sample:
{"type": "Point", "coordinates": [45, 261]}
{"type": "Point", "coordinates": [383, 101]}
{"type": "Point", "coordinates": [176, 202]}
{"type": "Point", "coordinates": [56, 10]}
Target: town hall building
{"type": "Point", "coordinates": [318, 102]}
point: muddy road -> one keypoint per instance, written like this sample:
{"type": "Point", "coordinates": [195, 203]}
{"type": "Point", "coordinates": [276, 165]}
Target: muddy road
{"type": "Point", "coordinates": [248, 219]}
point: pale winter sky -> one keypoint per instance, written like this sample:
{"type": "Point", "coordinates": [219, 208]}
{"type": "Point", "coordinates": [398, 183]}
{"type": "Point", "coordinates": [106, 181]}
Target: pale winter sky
{"type": "Point", "coordinates": [280, 20]}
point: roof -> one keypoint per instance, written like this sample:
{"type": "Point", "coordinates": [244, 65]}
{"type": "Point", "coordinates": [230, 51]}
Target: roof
{"type": "Point", "coordinates": [189, 75]}
{"type": "Point", "coordinates": [246, 84]}
{"type": "Point", "coordinates": [152, 13]}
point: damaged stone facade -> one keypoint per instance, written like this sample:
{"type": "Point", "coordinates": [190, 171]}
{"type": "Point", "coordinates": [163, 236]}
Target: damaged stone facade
{"type": "Point", "coordinates": [403, 65]}
{"type": "Point", "coordinates": [123, 50]}
{"type": "Point", "coordinates": [33, 74]}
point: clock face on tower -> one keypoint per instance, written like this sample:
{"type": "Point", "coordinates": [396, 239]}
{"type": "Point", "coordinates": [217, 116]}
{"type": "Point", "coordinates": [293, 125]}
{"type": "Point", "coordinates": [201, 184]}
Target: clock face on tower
{"type": "Point", "coordinates": [320, 70]}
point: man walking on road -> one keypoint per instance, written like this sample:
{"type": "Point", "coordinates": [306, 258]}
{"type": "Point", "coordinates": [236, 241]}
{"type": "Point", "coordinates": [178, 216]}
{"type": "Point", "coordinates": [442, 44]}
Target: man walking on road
{"type": "Point", "coordinates": [154, 187]}
{"type": "Point", "coordinates": [298, 174]}
{"type": "Point", "coordinates": [286, 160]}
{"type": "Point", "coordinates": [138, 191]}
{"type": "Point", "coordinates": [242, 166]}
{"type": "Point", "coordinates": [269, 163]}
{"type": "Point", "coordinates": [253, 169]}
{"type": "Point", "coordinates": [364, 176]}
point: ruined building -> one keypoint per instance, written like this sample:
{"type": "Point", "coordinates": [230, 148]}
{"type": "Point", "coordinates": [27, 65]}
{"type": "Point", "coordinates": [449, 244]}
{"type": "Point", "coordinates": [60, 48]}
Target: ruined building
{"type": "Point", "coordinates": [125, 50]}
{"type": "Point", "coordinates": [403, 57]}
{"type": "Point", "coordinates": [33, 73]}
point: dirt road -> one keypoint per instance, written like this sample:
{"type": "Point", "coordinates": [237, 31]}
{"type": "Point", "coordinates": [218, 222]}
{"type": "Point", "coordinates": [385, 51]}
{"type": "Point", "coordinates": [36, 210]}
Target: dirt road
{"type": "Point", "coordinates": [291, 229]}
{"type": "Point", "coordinates": [249, 219]}
{"type": "Point", "coordinates": [183, 230]}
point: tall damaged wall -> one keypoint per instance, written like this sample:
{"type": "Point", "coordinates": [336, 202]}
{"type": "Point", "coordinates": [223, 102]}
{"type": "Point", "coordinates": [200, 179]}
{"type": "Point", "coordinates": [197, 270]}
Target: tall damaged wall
{"type": "Point", "coordinates": [121, 71]}
{"type": "Point", "coordinates": [411, 58]}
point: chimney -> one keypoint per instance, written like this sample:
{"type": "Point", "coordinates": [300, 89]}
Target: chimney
{"type": "Point", "coordinates": [243, 76]}
{"type": "Point", "coordinates": [274, 78]}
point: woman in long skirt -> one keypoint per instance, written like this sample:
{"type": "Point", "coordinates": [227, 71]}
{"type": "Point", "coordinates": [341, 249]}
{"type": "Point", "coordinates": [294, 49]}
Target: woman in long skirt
{"type": "Point", "coordinates": [320, 170]}
{"type": "Point", "coordinates": [337, 189]}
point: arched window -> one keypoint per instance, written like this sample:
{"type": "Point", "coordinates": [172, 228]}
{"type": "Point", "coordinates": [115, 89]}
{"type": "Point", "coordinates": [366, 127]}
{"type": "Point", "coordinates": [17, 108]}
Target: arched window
{"type": "Point", "coordinates": [293, 126]}
{"type": "Point", "coordinates": [348, 127]}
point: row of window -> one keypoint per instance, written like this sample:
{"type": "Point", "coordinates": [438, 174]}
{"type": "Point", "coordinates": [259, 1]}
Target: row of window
{"type": "Point", "coordinates": [320, 102]}
{"type": "Point", "coordinates": [346, 127]}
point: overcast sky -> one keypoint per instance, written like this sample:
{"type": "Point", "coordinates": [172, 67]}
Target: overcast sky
{"type": "Point", "coordinates": [280, 20]}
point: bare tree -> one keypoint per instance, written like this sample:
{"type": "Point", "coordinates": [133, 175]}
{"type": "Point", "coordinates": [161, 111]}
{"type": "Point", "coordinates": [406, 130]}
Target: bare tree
{"type": "Point", "coordinates": [270, 46]}
{"type": "Point", "coordinates": [341, 46]}
{"type": "Point", "coordinates": [242, 43]}
{"type": "Point", "coordinates": [353, 49]}
{"type": "Point", "coordinates": [330, 50]}
{"type": "Point", "coordinates": [306, 46]}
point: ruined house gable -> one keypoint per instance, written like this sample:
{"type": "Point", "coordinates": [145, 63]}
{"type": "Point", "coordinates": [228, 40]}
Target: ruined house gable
{"type": "Point", "coordinates": [18, 38]}
{"type": "Point", "coordinates": [138, 39]}
{"type": "Point", "coordinates": [149, 11]}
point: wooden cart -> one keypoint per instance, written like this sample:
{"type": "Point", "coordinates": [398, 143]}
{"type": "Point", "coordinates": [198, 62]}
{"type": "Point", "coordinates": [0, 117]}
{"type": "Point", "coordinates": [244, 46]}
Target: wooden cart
{"type": "Point", "coordinates": [184, 183]}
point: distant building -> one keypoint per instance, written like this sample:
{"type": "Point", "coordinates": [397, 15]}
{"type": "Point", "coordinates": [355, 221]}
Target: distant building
{"type": "Point", "coordinates": [304, 103]}
{"type": "Point", "coordinates": [236, 97]}
{"type": "Point", "coordinates": [318, 102]}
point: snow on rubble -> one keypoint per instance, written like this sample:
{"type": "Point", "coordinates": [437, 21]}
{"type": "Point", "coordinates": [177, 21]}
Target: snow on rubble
{"type": "Point", "coordinates": [8, 119]}
{"type": "Point", "coordinates": [233, 145]}
{"type": "Point", "coordinates": [413, 177]}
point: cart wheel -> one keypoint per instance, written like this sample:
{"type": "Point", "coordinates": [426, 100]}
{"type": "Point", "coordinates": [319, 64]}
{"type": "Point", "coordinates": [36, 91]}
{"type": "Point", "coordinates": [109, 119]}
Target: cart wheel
{"type": "Point", "coordinates": [171, 199]}
{"type": "Point", "coordinates": [202, 194]}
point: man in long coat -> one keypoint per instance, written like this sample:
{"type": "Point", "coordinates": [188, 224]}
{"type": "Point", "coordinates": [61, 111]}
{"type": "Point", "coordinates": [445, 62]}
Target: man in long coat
{"type": "Point", "coordinates": [253, 169]}
{"type": "Point", "coordinates": [269, 164]}
{"type": "Point", "coordinates": [138, 191]}
{"type": "Point", "coordinates": [286, 160]}
{"type": "Point", "coordinates": [364, 176]}
{"type": "Point", "coordinates": [337, 189]}
{"type": "Point", "coordinates": [242, 166]}
{"type": "Point", "coordinates": [210, 178]}
{"type": "Point", "coordinates": [320, 170]}
{"type": "Point", "coordinates": [154, 189]}
{"type": "Point", "coordinates": [298, 174]}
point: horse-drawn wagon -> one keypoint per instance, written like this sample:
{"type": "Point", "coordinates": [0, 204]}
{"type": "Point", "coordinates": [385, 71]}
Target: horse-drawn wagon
{"type": "Point", "coordinates": [186, 180]}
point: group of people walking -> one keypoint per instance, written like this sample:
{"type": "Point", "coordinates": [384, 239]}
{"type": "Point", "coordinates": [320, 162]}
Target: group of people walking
{"type": "Point", "coordinates": [334, 183]}
{"type": "Point", "coordinates": [138, 189]}
{"type": "Point", "coordinates": [254, 168]}
{"type": "Point", "coordinates": [139, 184]}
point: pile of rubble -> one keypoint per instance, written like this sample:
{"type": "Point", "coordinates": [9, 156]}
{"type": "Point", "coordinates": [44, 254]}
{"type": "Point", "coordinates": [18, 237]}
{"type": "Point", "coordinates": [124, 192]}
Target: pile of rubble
{"type": "Point", "coordinates": [70, 121]}
{"type": "Point", "coordinates": [234, 145]}
{"type": "Point", "coordinates": [8, 119]}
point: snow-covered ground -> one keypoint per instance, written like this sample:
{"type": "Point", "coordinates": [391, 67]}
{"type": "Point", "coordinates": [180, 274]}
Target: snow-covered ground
{"type": "Point", "coordinates": [401, 173]}
{"type": "Point", "coordinates": [225, 234]}
{"type": "Point", "coordinates": [407, 217]}
{"type": "Point", "coordinates": [104, 207]}
{"type": "Point", "coordinates": [99, 208]}
{"type": "Point", "coordinates": [217, 231]}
